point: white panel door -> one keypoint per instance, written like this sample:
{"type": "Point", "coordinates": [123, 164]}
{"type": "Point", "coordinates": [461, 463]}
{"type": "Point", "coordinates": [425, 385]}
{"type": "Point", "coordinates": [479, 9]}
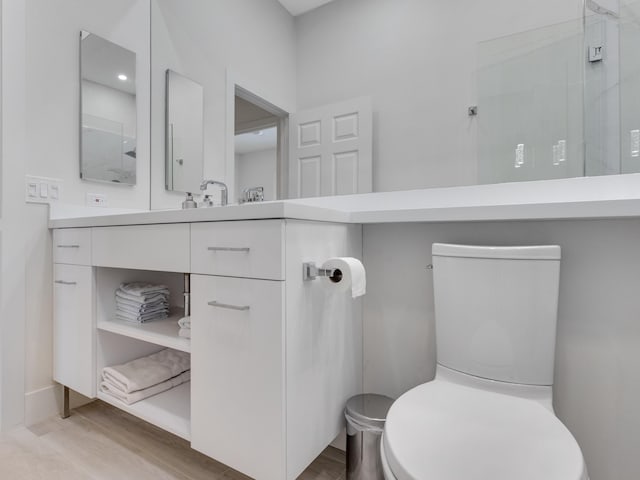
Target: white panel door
{"type": "Point", "coordinates": [331, 150]}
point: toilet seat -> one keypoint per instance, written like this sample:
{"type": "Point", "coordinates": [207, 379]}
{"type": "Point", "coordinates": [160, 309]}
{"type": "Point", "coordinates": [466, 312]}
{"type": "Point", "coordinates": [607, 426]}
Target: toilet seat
{"type": "Point", "coordinates": [446, 431]}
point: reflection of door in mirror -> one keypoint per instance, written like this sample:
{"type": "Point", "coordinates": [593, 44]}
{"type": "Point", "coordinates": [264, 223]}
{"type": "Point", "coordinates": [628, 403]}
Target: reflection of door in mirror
{"type": "Point", "coordinates": [257, 149]}
{"type": "Point", "coordinates": [332, 150]}
{"type": "Point", "coordinates": [108, 111]}
{"type": "Point", "coordinates": [184, 133]}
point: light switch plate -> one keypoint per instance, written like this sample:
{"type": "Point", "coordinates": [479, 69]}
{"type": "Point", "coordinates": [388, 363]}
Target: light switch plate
{"type": "Point", "coordinates": [42, 189]}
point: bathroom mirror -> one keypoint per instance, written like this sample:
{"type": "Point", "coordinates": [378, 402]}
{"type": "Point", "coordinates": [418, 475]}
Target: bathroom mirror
{"type": "Point", "coordinates": [108, 111]}
{"type": "Point", "coordinates": [184, 132]}
{"type": "Point", "coordinates": [460, 95]}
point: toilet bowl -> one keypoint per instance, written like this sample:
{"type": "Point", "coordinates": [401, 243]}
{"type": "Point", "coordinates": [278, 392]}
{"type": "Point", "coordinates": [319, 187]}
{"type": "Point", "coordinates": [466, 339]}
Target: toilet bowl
{"type": "Point", "coordinates": [488, 413]}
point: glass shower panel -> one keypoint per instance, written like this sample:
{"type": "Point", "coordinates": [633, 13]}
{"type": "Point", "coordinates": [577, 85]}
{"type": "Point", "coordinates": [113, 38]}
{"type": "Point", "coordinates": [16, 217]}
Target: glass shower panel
{"type": "Point", "coordinates": [107, 154]}
{"type": "Point", "coordinates": [630, 86]}
{"type": "Point", "coordinates": [530, 105]}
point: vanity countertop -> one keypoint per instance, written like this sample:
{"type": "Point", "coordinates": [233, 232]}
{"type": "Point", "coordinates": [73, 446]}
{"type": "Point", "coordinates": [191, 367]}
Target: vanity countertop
{"type": "Point", "coordinates": [616, 196]}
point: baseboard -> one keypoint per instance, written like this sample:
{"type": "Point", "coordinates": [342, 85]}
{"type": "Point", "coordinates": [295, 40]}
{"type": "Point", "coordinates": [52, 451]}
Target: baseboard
{"type": "Point", "coordinates": [42, 403]}
{"type": "Point", "coordinates": [46, 402]}
{"type": "Point", "coordinates": [340, 442]}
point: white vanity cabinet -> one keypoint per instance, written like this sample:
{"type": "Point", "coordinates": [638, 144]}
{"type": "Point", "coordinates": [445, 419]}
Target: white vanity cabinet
{"type": "Point", "coordinates": [273, 357]}
{"type": "Point", "coordinates": [74, 330]}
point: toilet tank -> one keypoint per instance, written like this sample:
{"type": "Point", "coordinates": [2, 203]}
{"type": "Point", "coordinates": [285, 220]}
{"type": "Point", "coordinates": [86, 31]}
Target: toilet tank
{"type": "Point", "coordinates": [496, 311]}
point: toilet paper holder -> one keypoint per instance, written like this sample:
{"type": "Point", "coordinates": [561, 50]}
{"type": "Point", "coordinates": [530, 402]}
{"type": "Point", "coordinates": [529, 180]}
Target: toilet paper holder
{"type": "Point", "coordinates": [310, 272]}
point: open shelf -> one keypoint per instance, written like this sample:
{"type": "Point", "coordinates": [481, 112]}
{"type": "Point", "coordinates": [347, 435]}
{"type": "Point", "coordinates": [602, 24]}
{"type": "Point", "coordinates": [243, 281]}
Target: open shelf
{"type": "Point", "coordinates": [170, 410]}
{"type": "Point", "coordinates": [160, 332]}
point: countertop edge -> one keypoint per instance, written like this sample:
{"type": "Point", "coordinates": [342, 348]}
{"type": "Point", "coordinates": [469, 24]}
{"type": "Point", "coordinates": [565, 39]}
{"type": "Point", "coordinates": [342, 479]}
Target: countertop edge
{"type": "Point", "coordinates": [592, 209]}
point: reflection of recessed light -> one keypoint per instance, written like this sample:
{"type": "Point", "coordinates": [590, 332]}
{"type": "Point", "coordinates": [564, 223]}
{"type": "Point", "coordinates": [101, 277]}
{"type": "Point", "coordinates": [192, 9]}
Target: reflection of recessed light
{"type": "Point", "coordinates": [259, 132]}
{"type": "Point", "coordinates": [122, 77]}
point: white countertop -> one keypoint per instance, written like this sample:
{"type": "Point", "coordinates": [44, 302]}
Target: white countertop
{"type": "Point", "coordinates": [614, 196]}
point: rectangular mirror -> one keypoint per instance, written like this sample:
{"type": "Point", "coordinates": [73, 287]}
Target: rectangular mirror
{"type": "Point", "coordinates": [107, 111]}
{"type": "Point", "coordinates": [184, 133]}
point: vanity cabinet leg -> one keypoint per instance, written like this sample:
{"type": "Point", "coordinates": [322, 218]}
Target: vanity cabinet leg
{"type": "Point", "coordinates": [65, 403]}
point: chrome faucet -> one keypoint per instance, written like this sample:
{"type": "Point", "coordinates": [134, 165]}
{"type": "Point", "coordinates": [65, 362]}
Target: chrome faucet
{"type": "Point", "coordinates": [253, 194]}
{"type": "Point", "coordinates": [223, 190]}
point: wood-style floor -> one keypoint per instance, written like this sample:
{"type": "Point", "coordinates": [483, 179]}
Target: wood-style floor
{"type": "Point", "coordinates": [100, 442]}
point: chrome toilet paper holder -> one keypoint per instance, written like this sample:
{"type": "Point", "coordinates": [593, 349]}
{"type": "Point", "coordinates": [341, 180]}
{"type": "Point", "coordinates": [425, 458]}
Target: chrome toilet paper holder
{"type": "Point", "coordinates": [310, 272]}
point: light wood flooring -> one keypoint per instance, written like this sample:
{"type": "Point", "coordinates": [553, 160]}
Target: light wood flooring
{"type": "Point", "coordinates": [100, 442]}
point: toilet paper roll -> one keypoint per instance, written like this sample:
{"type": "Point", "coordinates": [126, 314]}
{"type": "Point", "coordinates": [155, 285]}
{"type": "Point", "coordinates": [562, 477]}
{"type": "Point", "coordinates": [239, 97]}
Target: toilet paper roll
{"type": "Point", "coordinates": [351, 276]}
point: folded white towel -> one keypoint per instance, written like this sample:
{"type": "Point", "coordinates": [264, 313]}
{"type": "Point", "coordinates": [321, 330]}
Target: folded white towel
{"type": "Point", "coordinates": [142, 289]}
{"type": "Point", "coordinates": [184, 332]}
{"type": "Point", "coordinates": [140, 300]}
{"type": "Point", "coordinates": [133, 397]}
{"type": "Point", "coordinates": [141, 310]}
{"type": "Point", "coordinates": [140, 318]}
{"type": "Point", "coordinates": [141, 306]}
{"type": "Point", "coordinates": [147, 371]}
{"type": "Point", "coordinates": [185, 322]}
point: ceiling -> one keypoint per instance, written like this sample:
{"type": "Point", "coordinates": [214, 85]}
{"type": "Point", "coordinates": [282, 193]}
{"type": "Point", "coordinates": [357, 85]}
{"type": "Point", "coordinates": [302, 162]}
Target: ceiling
{"type": "Point", "coordinates": [252, 142]}
{"type": "Point", "coordinates": [103, 61]}
{"type": "Point", "coordinates": [298, 7]}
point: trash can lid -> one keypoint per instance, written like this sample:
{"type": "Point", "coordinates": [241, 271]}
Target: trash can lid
{"type": "Point", "coordinates": [369, 409]}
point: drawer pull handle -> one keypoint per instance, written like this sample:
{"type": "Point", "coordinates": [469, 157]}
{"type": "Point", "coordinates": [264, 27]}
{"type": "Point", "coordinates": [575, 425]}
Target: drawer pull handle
{"type": "Point", "coordinates": [229, 249]}
{"type": "Point", "coordinates": [62, 282]}
{"type": "Point", "coordinates": [230, 307]}
{"type": "Point", "coordinates": [68, 246]}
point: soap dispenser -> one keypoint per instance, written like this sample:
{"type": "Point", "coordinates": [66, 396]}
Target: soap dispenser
{"type": "Point", "coordinates": [189, 202]}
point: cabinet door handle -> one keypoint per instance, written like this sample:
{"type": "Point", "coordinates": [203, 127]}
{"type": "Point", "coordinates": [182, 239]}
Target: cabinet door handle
{"type": "Point", "coordinates": [62, 282]}
{"type": "Point", "coordinates": [230, 307]}
{"type": "Point", "coordinates": [68, 246]}
{"type": "Point", "coordinates": [229, 249]}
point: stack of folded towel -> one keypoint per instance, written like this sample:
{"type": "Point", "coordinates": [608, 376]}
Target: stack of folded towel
{"type": "Point", "coordinates": [141, 302]}
{"type": "Point", "coordinates": [185, 327]}
{"type": "Point", "coordinates": [147, 376]}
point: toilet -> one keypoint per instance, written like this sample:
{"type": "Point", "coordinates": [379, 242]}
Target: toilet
{"type": "Point", "coordinates": [488, 413]}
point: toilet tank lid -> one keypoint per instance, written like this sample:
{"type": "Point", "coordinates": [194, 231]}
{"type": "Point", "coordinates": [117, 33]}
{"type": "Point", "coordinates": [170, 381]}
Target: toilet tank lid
{"type": "Point", "coordinates": [539, 252]}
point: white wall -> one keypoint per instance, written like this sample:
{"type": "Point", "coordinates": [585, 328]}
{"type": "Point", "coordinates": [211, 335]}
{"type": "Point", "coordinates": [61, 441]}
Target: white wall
{"type": "Point", "coordinates": [40, 97]}
{"type": "Point", "coordinates": [417, 60]}
{"type": "Point", "coordinates": [630, 78]}
{"type": "Point", "coordinates": [53, 101]}
{"type": "Point", "coordinates": [12, 241]}
{"type": "Point", "coordinates": [204, 40]}
{"type": "Point", "coordinates": [597, 385]}
{"type": "Point", "coordinates": [115, 105]}
{"type": "Point", "coordinates": [257, 169]}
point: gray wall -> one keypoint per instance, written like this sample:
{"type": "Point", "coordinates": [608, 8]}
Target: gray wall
{"type": "Point", "coordinates": [597, 384]}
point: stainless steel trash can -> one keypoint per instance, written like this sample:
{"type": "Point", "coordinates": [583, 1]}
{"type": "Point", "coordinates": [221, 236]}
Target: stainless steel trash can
{"type": "Point", "coordinates": [365, 416]}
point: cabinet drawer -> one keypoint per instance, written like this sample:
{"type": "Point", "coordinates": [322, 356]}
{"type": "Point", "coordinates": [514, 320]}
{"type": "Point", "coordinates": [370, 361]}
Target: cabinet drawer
{"type": "Point", "coordinates": [142, 247]}
{"type": "Point", "coordinates": [72, 245]}
{"type": "Point", "coordinates": [73, 328]}
{"type": "Point", "coordinates": [237, 373]}
{"type": "Point", "coordinates": [253, 249]}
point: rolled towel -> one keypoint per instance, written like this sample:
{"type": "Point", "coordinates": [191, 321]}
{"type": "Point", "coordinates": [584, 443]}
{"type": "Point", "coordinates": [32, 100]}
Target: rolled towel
{"type": "Point", "coordinates": [134, 397]}
{"type": "Point", "coordinates": [185, 322]}
{"type": "Point", "coordinates": [184, 333]}
{"type": "Point", "coordinates": [147, 371]}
